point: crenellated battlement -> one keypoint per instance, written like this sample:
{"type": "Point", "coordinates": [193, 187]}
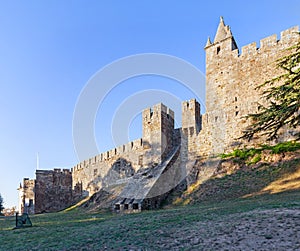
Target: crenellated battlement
{"type": "Point", "coordinates": [191, 118]}
{"type": "Point", "coordinates": [155, 112]}
{"type": "Point", "coordinates": [231, 80]}
{"type": "Point", "coordinates": [224, 44]}
{"type": "Point", "coordinates": [287, 39]}
{"type": "Point", "coordinates": [114, 153]}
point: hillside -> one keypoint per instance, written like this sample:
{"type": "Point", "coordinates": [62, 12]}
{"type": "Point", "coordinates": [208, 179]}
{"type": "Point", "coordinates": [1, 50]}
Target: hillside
{"type": "Point", "coordinates": [248, 203]}
{"type": "Point", "coordinates": [270, 222]}
{"type": "Point", "coordinates": [233, 177]}
{"type": "Point", "coordinates": [245, 177]}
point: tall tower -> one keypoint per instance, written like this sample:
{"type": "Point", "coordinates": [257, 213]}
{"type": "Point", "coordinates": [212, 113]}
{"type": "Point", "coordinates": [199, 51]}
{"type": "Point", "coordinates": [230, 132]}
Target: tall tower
{"type": "Point", "coordinates": [220, 60]}
{"type": "Point", "coordinates": [191, 118]}
{"type": "Point", "coordinates": [158, 129]}
{"type": "Point", "coordinates": [222, 92]}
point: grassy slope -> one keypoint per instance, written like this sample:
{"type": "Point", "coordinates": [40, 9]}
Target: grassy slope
{"type": "Point", "coordinates": [248, 181]}
{"type": "Point", "coordinates": [239, 177]}
{"type": "Point", "coordinates": [76, 230]}
{"type": "Point", "coordinates": [226, 201]}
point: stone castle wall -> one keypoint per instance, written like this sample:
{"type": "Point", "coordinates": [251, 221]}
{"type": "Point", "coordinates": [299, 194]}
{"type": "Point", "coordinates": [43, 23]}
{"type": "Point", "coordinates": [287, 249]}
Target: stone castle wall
{"type": "Point", "coordinates": [124, 161]}
{"type": "Point", "coordinates": [27, 196]}
{"type": "Point", "coordinates": [231, 79]}
{"type": "Point", "coordinates": [108, 167]}
{"type": "Point", "coordinates": [53, 190]}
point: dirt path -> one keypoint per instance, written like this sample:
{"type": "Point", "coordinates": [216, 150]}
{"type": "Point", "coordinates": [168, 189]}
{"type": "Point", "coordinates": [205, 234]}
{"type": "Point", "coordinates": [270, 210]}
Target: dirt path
{"type": "Point", "coordinates": [275, 229]}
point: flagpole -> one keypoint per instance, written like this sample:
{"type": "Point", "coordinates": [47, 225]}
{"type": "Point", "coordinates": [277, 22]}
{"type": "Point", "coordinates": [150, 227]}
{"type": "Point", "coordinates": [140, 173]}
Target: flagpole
{"type": "Point", "coordinates": [37, 161]}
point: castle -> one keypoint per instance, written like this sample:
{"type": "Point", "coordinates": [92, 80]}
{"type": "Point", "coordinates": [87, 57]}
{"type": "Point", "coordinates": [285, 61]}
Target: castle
{"type": "Point", "coordinates": [143, 172]}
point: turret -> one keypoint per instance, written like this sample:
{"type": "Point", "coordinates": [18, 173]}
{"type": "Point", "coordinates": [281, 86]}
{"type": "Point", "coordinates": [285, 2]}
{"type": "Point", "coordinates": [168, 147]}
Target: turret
{"type": "Point", "coordinates": [191, 118]}
{"type": "Point", "coordinates": [224, 40]}
{"type": "Point", "coordinates": [219, 55]}
{"type": "Point", "coordinates": [158, 128]}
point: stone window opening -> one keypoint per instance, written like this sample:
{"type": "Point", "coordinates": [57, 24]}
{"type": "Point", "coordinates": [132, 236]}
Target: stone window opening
{"type": "Point", "coordinates": [117, 206]}
{"type": "Point", "coordinates": [191, 131]}
{"type": "Point", "coordinates": [126, 206]}
{"type": "Point", "coordinates": [218, 49]}
{"type": "Point", "coordinates": [235, 99]}
{"type": "Point", "coordinates": [135, 206]}
{"type": "Point", "coordinates": [216, 118]}
{"type": "Point", "coordinates": [30, 203]}
{"type": "Point", "coordinates": [236, 113]}
{"type": "Point", "coordinates": [140, 160]}
{"type": "Point", "coordinates": [185, 131]}
{"type": "Point", "coordinates": [151, 113]}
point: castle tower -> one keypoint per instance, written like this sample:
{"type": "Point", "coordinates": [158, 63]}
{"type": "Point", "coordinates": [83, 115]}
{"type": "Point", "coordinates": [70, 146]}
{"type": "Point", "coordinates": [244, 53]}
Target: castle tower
{"type": "Point", "coordinates": [191, 118]}
{"type": "Point", "coordinates": [53, 190]}
{"type": "Point", "coordinates": [231, 81]}
{"type": "Point", "coordinates": [219, 57]}
{"type": "Point", "coordinates": [26, 196]}
{"type": "Point", "coordinates": [158, 128]}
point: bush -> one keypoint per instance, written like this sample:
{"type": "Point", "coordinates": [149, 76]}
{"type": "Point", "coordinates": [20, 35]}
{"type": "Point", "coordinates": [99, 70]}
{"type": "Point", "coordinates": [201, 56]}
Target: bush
{"type": "Point", "coordinates": [1, 204]}
{"type": "Point", "coordinates": [255, 153]}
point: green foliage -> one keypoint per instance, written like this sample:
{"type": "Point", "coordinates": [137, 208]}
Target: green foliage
{"type": "Point", "coordinates": [283, 97]}
{"type": "Point", "coordinates": [1, 204]}
{"type": "Point", "coordinates": [255, 159]}
{"type": "Point", "coordinates": [289, 146]}
{"type": "Point", "coordinates": [241, 153]}
{"type": "Point", "coordinates": [254, 154]}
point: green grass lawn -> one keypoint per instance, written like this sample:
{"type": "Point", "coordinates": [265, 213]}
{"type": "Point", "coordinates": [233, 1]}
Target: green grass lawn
{"type": "Point", "coordinates": [254, 208]}
{"type": "Point", "coordinates": [151, 230]}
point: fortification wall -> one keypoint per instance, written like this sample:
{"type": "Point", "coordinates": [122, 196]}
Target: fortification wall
{"type": "Point", "coordinates": [158, 127]}
{"type": "Point", "coordinates": [124, 161]}
{"type": "Point", "coordinates": [108, 167]}
{"type": "Point", "coordinates": [26, 196]}
{"type": "Point", "coordinates": [231, 81]}
{"type": "Point", "coordinates": [53, 190]}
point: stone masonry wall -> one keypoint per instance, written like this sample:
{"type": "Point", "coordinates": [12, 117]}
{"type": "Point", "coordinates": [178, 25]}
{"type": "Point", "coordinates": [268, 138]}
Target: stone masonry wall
{"type": "Point", "coordinates": [26, 200]}
{"type": "Point", "coordinates": [106, 168]}
{"type": "Point", "coordinates": [231, 79]}
{"type": "Point", "coordinates": [124, 161]}
{"type": "Point", "coordinates": [158, 127]}
{"type": "Point", "coordinates": [53, 190]}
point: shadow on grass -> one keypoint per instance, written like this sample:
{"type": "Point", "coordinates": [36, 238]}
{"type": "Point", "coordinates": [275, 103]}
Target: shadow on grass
{"type": "Point", "coordinates": [246, 182]}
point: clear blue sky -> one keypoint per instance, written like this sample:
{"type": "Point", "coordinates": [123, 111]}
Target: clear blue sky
{"type": "Point", "coordinates": [50, 49]}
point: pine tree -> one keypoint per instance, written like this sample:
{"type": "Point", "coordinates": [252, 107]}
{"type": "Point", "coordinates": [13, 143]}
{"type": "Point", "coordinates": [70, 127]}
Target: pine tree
{"type": "Point", "coordinates": [1, 204]}
{"type": "Point", "coordinates": [283, 100]}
